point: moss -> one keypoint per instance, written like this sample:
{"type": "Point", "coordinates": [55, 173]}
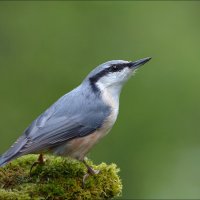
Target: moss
{"type": "Point", "coordinates": [59, 178]}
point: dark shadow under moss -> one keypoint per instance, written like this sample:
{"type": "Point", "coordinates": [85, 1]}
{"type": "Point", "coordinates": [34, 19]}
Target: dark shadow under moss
{"type": "Point", "coordinates": [59, 178]}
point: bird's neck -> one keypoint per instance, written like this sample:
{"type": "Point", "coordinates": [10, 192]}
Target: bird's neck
{"type": "Point", "coordinates": [110, 94]}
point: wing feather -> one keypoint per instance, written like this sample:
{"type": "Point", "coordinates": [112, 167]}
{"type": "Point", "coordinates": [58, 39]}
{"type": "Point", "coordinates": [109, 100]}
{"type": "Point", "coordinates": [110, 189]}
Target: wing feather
{"type": "Point", "coordinates": [73, 115]}
{"type": "Point", "coordinates": [55, 134]}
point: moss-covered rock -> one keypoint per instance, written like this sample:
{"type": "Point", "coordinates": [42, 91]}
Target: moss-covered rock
{"type": "Point", "coordinates": [59, 178]}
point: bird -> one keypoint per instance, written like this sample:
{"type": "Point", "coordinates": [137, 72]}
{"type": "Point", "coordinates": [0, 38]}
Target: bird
{"type": "Point", "coordinates": [79, 119]}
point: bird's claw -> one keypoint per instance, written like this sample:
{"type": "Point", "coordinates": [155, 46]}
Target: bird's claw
{"type": "Point", "coordinates": [40, 161]}
{"type": "Point", "coordinates": [89, 173]}
{"type": "Point", "coordinates": [33, 165]}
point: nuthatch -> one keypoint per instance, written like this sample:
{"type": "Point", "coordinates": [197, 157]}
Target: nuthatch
{"type": "Point", "coordinates": [80, 118]}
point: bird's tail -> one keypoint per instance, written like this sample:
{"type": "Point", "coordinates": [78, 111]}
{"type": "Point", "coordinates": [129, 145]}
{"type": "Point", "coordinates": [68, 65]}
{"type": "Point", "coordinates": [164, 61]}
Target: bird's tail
{"type": "Point", "coordinates": [14, 151]}
{"type": "Point", "coordinates": [2, 161]}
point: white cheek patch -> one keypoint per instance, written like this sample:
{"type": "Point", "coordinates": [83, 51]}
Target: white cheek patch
{"type": "Point", "coordinates": [125, 74]}
{"type": "Point", "coordinates": [115, 77]}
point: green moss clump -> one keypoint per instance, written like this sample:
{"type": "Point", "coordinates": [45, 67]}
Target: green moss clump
{"type": "Point", "coordinates": [59, 178]}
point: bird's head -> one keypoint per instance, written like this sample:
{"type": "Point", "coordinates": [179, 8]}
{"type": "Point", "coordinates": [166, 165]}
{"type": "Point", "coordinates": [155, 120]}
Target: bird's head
{"type": "Point", "coordinates": [113, 74]}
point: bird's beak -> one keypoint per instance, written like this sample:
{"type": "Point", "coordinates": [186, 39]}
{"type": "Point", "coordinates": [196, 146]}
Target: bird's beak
{"type": "Point", "coordinates": [138, 63]}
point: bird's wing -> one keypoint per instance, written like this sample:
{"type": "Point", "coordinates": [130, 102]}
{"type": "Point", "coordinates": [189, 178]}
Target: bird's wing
{"type": "Point", "coordinates": [71, 116]}
{"type": "Point", "coordinates": [38, 139]}
{"type": "Point", "coordinates": [55, 133]}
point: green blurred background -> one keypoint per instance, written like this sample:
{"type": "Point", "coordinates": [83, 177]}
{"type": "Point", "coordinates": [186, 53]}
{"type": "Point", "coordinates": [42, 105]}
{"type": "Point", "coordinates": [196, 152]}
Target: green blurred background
{"type": "Point", "coordinates": [47, 48]}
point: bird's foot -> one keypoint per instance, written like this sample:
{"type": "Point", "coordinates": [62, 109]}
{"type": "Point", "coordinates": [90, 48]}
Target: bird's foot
{"type": "Point", "coordinates": [90, 171]}
{"type": "Point", "coordinates": [88, 174]}
{"type": "Point", "coordinates": [40, 161]}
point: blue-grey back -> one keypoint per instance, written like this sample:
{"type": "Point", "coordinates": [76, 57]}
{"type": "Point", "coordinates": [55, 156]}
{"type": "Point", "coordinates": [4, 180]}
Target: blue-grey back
{"type": "Point", "coordinates": [77, 113]}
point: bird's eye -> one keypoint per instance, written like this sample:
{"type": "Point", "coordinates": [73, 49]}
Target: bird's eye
{"type": "Point", "coordinates": [114, 68]}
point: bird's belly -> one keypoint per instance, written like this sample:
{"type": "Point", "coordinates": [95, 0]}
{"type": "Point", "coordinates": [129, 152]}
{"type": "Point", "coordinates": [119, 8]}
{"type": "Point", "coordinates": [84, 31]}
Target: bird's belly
{"type": "Point", "coordinates": [78, 147]}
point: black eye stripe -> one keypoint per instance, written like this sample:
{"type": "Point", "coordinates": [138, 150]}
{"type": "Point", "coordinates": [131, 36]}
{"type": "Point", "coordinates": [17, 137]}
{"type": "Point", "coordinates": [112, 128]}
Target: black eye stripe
{"type": "Point", "coordinates": [110, 69]}
{"type": "Point", "coordinates": [118, 67]}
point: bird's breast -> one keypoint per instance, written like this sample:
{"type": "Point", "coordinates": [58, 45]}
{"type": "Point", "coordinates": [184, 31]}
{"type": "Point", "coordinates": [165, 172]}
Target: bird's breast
{"type": "Point", "coordinates": [113, 102]}
{"type": "Point", "coordinates": [79, 147]}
